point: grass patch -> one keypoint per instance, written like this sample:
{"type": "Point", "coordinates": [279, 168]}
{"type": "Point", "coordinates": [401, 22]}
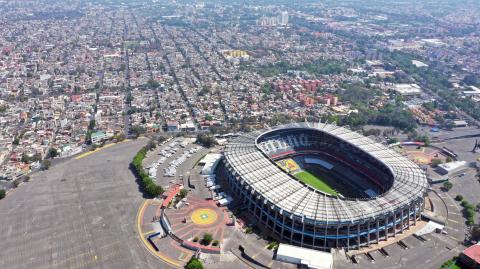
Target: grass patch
{"type": "Point", "coordinates": [451, 264]}
{"type": "Point", "coordinates": [316, 182]}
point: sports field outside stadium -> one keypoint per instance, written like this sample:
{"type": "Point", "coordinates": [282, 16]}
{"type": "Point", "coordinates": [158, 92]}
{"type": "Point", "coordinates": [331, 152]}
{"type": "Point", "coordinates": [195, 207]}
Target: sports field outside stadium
{"type": "Point", "coordinates": [315, 182]}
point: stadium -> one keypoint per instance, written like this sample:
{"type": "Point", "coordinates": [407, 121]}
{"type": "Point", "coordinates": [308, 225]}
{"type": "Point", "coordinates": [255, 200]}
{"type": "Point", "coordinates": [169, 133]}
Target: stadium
{"type": "Point", "coordinates": [322, 186]}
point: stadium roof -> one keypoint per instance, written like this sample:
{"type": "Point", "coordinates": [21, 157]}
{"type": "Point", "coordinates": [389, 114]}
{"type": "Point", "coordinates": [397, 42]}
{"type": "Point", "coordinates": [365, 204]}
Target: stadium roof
{"type": "Point", "coordinates": [291, 196]}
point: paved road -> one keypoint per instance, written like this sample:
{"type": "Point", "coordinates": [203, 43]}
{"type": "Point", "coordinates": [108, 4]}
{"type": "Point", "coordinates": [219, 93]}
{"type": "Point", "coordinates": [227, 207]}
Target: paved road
{"type": "Point", "coordinates": [79, 214]}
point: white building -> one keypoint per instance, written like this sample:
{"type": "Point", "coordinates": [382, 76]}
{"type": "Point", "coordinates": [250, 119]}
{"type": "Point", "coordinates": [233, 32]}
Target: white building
{"type": "Point", "coordinates": [407, 89]}
{"type": "Point", "coordinates": [284, 18]}
{"type": "Point", "coordinates": [306, 257]}
{"type": "Point", "coordinates": [210, 162]}
{"type": "Point", "coordinates": [451, 167]}
{"type": "Point", "coordinates": [98, 137]}
{"type": "Point", "coordinates": [473, 91]}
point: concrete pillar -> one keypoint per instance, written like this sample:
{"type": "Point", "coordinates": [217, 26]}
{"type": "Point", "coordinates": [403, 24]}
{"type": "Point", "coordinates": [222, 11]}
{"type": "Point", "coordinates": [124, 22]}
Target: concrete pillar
{"type": "Point", "coordinates": [402, 216]}
{"type": "Point", "coordinates": [325, 239]}
{"type": "Point", "coordinates": [291, 230]}
{"type": "Point", "coordinates": [275, 221]}
{"type": "Point", "coordinates": [336, 239]}
{"type": "Point", "coordinates": [348, 237]}
{"type": "Point", "coordinates": [394, 224]}
{"type": "Point", "coordinates": [261, 209]}
{"type": "Point", "coordinates": [303, 230]}
{"type": "Point", "coordinates": [368, 234]}
{"type": "Point", "coordinates": [415, 214]}
{"type": "Point", "coordinates": [283, 225]}
{"type": "Point", "coordinates": [386, 228]}
{"type": "Point", "coordinates": [408, 218]}
{"type": "Point", "coordinates": [378, 230]}
{"type": "Point", "coordinates": [358, 236]}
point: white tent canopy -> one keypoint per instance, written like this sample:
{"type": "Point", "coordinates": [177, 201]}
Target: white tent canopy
{"type": "Point", "coordinates": [308, 257]}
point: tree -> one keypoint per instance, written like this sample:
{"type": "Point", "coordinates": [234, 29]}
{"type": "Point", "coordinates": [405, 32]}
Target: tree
{"type": "Point", "coordinates": [206, 140]}
{"type": "Point", "coordinates": [129, 99]}
{"type": "Point", "coordinates": [435, 162]}
{"type": "Point", "coordinates": [152, 84]}
{"type": "Point", "coordinates": [470, 80]}
{"type": "Point", "coordinates": [138, 130]}
{"type": "Point", "coordinates": [447, 185]}
{"type": "Point", "coordinates": [392, 140]}
{"type": "Point", "coordinates": [25, 158]}
{"type": "Point", "coordinates": [475, 232]}
{"type": "Point", "coordinates": [161, 139]}
{"type": "Point", "coordinates": [183, 193]}
{"type": "Point", "coordinates": [52, 153]}
{"type": "Point", "coordinates": [119, 137]}
{"type": "Point", "coordinates": [91, 125]}
{"type": "Point", "coordinates": [194, 263]}
{"type": "Point", "coordinates": [88, 137]}
{"type": "Point", "coordinates": [459, 198]}
{"type": "Point", "coordinates": [207, 239]}
{"type": "Point", "coordinates": [45, 165]}
{"type": "Point", "coordinates": [151, 144]}
{"type": "Point", "coordinates": [424, 138]}
{"type": "Point", "coordinates": [153, 189]}
{"type": "Point", "coordinates": [3, 193]}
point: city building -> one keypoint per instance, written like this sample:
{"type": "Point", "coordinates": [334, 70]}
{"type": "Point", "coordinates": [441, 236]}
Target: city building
{"type": "Point", "coordinates": [98, 137]}
{"type": "Point", "coordinates": [284, 18]}
{"type": "Point", "coordinates": [305, 257]}
{"type": "Point", "coordinates": [470, 257]}
{"type": "Point", "coordinates": [451, 167]}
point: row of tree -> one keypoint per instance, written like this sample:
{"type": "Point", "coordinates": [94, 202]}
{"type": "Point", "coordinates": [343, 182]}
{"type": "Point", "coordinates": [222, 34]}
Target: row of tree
{"type": "Point", "coordinates": [146, 183]}
{"type": "Point", "coordinates": [389, 115]}
{"type": "Point", "coordinates": [207, 140]}
{"type": "Point", "coordinates": [317, 67]}
{"type": "Point", "coordinates": [468, 210]}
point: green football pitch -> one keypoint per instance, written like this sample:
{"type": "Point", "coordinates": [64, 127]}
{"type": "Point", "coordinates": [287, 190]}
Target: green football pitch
{"type": "Point", "coordinates": [316, 182]}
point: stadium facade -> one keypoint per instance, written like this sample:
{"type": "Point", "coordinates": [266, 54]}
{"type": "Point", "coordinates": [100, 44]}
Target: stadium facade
{"type": "Point", "coordinates": [390, 188]}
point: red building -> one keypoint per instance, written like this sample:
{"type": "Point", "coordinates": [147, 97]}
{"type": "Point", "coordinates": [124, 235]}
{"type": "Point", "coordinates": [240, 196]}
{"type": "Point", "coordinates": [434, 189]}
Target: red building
{"type": "Point", "coordinates": [470, 257]}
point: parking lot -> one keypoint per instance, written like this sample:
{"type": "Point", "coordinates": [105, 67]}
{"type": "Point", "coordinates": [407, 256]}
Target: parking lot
{"type": "Point", "coordinates": [78, 214]}
{"type": "Point", "coordinates": [412, 252]}
{"type": "Point", "coordinates": [172, 161]}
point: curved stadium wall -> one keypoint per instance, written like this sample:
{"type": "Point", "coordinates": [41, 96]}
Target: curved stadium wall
{"type": "Point", "coordinates": [308, 217]}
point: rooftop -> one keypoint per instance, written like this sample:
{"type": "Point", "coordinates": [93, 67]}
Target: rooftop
{"type": "Point", "coordinates": [473, 252]}
{"type": "Point", "coordinates": [293, 197]}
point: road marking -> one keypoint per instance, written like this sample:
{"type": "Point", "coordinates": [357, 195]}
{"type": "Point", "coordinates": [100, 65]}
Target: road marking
{"type": "Point", "coordinates": [453, 220]}
{"type": "Point", "coordinates": [147, 244]}
{"type": "Point", "coordinates": [149, 232]}
{"type": "Point", "coordinates": [451, 228]}
{"type": "Point", "coordinates": [451, 200]}
{"type": "Point", "coordinates": [82, 256]}
{"type": "Point", "coordinates": [88, 153]}
{"type": "Point", "coordinates": [453, 238]}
